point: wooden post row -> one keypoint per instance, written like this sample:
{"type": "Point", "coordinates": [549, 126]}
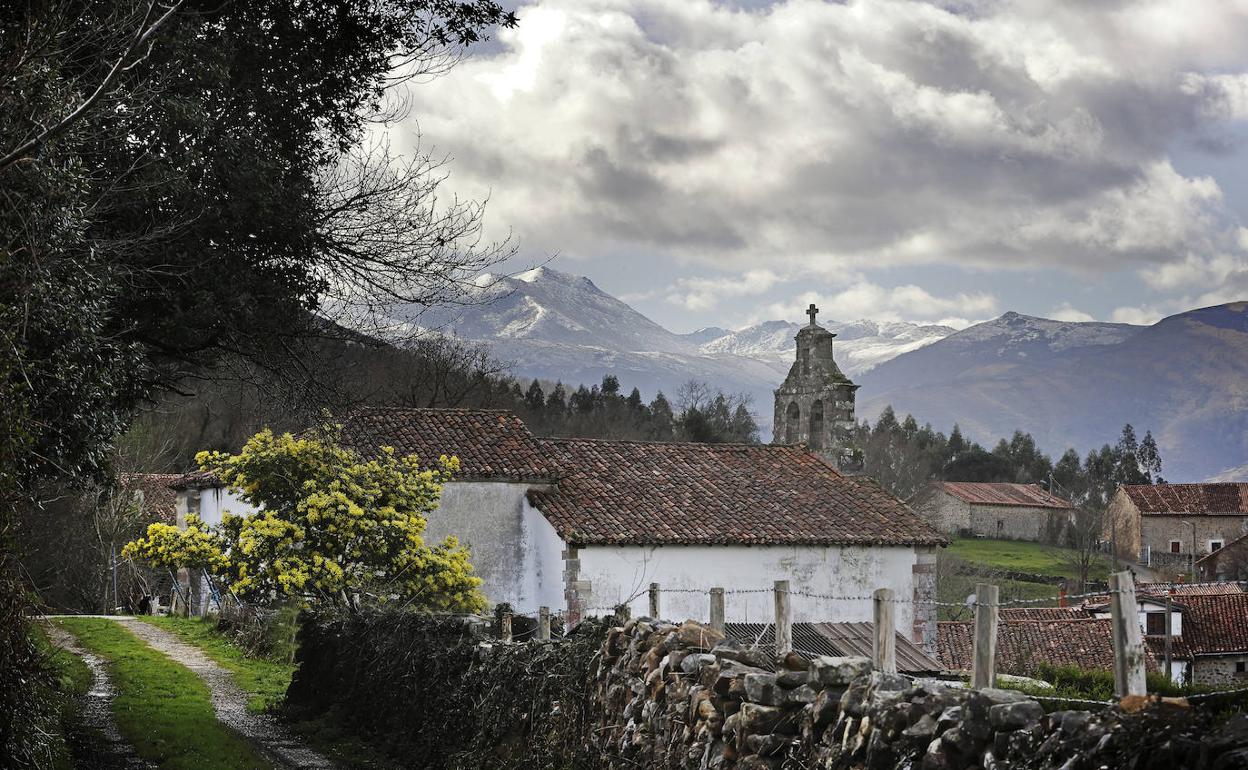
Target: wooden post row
{"type": "Point", "coordinates": [784, 619]}
{"type": "Point", "coordinates": [1128, 642]}
{"type": "Point", "coordinates": [884, 642]}
{"type": "Point", "coordinates": [654, 601]}
{"type": "Point", "coordinates": [984, 664]}
{"type": "Point", "coordinates": [717, 609]}
{"type": "Point", "coordinates": [543, 624]}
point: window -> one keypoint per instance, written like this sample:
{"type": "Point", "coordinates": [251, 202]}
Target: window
{"type": "Point", "coordinates": [1241, 669]}
{"type": "Point", "coordinates": [1214, 545]}
{"type": "Point", "coordinates": [1176, 546]}
{"type": "Point", "coordinates": [1155, 624]}
{"type": "Point", "coordinates": [1000, 525]}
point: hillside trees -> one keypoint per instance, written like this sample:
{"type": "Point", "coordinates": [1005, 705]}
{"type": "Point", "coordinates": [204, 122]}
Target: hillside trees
{"type": "Point", "coordinates": [903, 457]}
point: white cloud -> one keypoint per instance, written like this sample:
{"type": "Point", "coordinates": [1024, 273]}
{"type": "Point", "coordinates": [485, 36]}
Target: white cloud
{"type": "Point", "coordinates": [1064, 312]}
{"type": "Point", "coordinates": [706, 293]}
{"type": "Point", "coordinates": [1142, 316]}
{"type": "Point", "coordinates": [818, 137]}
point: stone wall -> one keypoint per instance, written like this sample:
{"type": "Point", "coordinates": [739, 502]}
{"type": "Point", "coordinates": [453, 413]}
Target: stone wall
{"type": "Point", "coordinates": [1158, 530]}
{"type": "Point", "coordinates": [436, 692]}
{"type": "Point", "coordinates": [1219, 671]}
{"type": "Point", "coordinates": [943, 511]}
{"type": "Point", "coordinates": [1018, 522]}
{"type": "Point", "coordinates": [672, 696]}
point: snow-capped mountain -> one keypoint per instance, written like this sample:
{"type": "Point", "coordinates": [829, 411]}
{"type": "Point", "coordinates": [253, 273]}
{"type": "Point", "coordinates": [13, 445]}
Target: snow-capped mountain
{"type": "Point", "coordinates": [554, 325]}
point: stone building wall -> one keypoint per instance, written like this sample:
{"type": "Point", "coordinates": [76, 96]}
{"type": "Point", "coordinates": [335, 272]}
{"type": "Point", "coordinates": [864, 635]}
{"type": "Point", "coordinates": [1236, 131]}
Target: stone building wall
{"type": "Point", "coordinates": [948, 514]}
{"type": "Point", "coordinates": [1017, 522]}
{"type": "Point", "coordinates": [1219, 671]}
{"type": "Point", "coordinates": [1157, 530]}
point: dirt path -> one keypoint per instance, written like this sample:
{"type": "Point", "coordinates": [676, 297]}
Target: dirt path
{"type": "Point", "coordinates": [100, 744]}
{"type": "Point", "coordinates": [230, 703]}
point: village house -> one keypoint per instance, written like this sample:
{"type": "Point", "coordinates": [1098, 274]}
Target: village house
{"type": "Point", "coordinates": [1208, 635]}
{"type": "Point", "coordinates": [1172, 525]}
{"type": "Point", "coordinates": [581, 526]}
{"type": "Point", "coordinates": [1230, 562]}
{"type": "Point", "coordinates": [994, 510]}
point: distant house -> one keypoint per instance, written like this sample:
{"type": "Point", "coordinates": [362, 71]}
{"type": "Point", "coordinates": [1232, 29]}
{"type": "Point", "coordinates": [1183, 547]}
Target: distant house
{"type": "Point", "coordinates": [1209, 635]}
{"type": "Point", "coordinates": [994, 510]}
{"type": "Point", "coordinates": [1171, 524]}
{"type": "Point", "coordinates": [581, 526]}
{"type": "Point", "coordinates": [1230, 562]}
{"type": "Point", "coordinates": [153, 493]}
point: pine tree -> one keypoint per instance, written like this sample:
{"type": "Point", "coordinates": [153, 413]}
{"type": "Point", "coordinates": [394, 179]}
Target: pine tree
{"type": "Point", "coordinates": [557, 401]}
{"type": "Point", "coordinates": [534, 398]}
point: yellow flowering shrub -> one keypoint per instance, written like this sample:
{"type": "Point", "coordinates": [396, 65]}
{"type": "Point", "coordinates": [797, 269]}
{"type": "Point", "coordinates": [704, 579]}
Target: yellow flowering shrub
{"type": "Point", "coordinates": [329, 526]}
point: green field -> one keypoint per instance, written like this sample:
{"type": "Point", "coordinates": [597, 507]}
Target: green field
{"type": "Point", "coordinates": [162, 707]}
{"type": "Point", "coordinates": [1017, 556]}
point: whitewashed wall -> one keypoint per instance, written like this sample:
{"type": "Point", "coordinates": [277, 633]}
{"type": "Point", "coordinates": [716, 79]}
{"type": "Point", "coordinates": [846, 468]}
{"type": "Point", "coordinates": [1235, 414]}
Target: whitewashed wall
{"type": "Point", "coordinates": [623, 574]}
{"type": "Point", "coordinates": [514, 550]}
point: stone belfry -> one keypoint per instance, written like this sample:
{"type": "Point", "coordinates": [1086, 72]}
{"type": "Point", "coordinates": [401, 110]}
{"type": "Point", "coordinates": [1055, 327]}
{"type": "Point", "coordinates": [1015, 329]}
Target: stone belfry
{"type": "Point", "coordinates": [815, 405]}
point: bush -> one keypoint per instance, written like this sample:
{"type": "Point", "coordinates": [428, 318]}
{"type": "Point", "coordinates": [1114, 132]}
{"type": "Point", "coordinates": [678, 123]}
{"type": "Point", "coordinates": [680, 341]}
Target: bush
{"type": "Point", "coordinates": [30, 699]}
{"type": "Point", "coordinates": [418, 685]}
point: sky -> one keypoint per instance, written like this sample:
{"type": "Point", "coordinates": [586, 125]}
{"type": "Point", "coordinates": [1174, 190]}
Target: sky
{"type": "Point", "coordinates": [722, 164]}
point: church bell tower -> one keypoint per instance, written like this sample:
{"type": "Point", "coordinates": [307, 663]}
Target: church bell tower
{"type": "Point", "coordinates": [815, 405]}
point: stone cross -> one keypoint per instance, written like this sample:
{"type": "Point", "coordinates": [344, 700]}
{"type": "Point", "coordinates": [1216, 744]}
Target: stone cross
{"type": "Point", "coordinates": [812, 311]}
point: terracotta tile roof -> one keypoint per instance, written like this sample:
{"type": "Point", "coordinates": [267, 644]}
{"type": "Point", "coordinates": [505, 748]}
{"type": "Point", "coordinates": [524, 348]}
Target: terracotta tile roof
{"type": "Point", "coordinates": [1192, 589]}
{"type": "Point", "coordinates": [490, 444]}
{"type": "Point", "coordinates": [157, 491]}
{"type": "Point", "coordinates": [196, 480]}
{"type": "Point", "coordinates": [1042, 613]}
{"type": "Point", "coordinates": [1230, 547]}
{"type": "Point", "coordinates": [983, 493]}
{"type": "Point", "coordinates": [1215, 625]}
{"type": "Point", "coordinates": [1022, 645]}
{"type": "Point", "coordinates": [836, 639]}
{"type": "Point", "coordinates": [631, 492]}
{"type": "Point", "coordinates": [1206, 499]}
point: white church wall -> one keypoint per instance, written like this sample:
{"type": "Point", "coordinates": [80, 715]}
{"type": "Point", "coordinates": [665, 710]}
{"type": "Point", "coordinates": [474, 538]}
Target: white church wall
{"type": "Point", "coordinates": [622, 574]}
{"type": "Point", "coordinates": [487, 518]}
{"type": "Point", "coordinates": [543, 558]}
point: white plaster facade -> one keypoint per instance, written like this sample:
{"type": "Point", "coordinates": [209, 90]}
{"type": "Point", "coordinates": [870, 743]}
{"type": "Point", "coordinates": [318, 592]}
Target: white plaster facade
{"type": "Point", "coordinates": [622, 575]}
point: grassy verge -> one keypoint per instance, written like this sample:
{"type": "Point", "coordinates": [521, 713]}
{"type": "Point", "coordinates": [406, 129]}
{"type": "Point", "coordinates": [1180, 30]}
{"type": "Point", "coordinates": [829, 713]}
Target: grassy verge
{"type": "Point", "coordinates": [263, 679]}
{"type": "Point", "coordinates": [1013, 555]}
{"type": "Point", "coordinates": [956, 588]}
{"type": "Point", "coordinates": [162, 708]}
{"type": "Point", "coordinates": [73, 681]}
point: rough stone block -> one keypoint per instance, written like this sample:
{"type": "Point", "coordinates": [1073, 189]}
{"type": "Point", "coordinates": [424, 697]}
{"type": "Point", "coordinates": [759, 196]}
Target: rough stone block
{"type": "Point", "coordinates": [762, 688]}
{"type": "Point", "coordinates": [831, 672]}
{"type": "Point", "coordinates": [698, 636]}
{"type": "Point", "coordinates": [754, 718]}
{"type": "Point", "coordinates": [1015, 716]}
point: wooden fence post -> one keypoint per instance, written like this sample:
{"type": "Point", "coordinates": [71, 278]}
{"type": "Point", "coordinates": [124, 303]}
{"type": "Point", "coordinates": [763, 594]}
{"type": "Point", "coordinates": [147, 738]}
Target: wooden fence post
{"type": "Point", "coordinates": [784, 619]}
{"type": "Point", "coordinates": [884, 642]}
{"type": "Point", "coordinates": [654, 601]}
{"type": "Point", "coordinates": [984, 665]}
{"type": "Point", "coordinates": [1128, 644]}
{"type": "Point", "coordinates": [543, 624]}
{"type": "Point", "coordinates": [717, 609]}
{"type": "Point", "coordinates": [504, 627]}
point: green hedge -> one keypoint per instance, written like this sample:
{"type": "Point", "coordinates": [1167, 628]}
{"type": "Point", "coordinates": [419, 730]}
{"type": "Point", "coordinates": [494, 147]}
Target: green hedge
{"type": "Point", "coordinates": [421, 689]}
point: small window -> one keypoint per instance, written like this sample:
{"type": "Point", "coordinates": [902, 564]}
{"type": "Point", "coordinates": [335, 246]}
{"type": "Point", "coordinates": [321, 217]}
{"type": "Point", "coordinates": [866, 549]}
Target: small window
{"type": "Point", "coordinates": [1214, 545]}
{"type": "Point", "coordinates": [1176, 546]}
{"type": "Point", "coordinates": [1155, 624]}
{"type": "Point", "coordinates": [1241, 667]}
{"type": "Point", "coordinates": [1000, 525]}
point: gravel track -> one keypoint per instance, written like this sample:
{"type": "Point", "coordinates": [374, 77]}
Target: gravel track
{"type": "Point", "coordinates": [229, 702]}
{"type": "Point", "coordinates": [103, 747]}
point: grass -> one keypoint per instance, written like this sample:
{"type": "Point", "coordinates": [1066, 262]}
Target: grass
{"type": "Point", "coordinates": [162, 708]}
{"type": "Point", "coordinates": [265, 680]}
{"type": "Point", "coordinates": [73, 682]}
{"type": "Point", "coordinates": [1036, 558]}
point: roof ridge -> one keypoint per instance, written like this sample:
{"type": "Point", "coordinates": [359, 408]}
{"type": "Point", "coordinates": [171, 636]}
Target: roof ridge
{"type": "Point", "coordinates": [649, 442]}
{"type": "Point", "coordinates": [457, 409]}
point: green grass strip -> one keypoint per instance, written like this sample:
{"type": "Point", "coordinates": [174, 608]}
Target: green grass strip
{"type": "Point", "coordinates": [1036, 558]}
{"type": "Point", "coordinates": [162, 707]}
{"type": "Point", "coordinates": [263, 679]}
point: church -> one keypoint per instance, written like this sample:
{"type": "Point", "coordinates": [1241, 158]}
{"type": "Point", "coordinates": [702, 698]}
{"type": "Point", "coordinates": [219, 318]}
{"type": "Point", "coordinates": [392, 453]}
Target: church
{"type": "Point", "coordinates": [580, 525]}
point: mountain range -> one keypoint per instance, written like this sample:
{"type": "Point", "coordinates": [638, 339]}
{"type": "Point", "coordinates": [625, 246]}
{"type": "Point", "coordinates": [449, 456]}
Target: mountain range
{"type": "Point", "coordinates": [1184, 378]}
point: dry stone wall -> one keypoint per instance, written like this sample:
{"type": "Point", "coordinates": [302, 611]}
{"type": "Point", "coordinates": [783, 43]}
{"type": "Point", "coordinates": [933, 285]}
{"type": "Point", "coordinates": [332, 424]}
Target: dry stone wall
{"type": "Point", "coordinates": [438, 692]}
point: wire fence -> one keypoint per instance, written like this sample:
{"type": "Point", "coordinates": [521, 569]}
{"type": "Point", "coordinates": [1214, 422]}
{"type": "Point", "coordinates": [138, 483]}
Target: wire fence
{"type": "Point", "coordinates": [1095, 601]}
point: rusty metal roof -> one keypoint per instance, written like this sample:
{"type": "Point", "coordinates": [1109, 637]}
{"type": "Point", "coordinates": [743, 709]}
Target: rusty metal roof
{"type": "Point", "coordinates": [984, 493]}
{"type": "Point", "coordinates": [1207, 499]}
{"type": "Point", "coordinates": [836, 639]}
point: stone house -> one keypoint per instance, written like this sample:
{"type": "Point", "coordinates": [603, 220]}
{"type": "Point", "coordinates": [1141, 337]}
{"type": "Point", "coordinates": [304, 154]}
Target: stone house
{"type": "Point", "coordinates": [994, 510]}
{"type": "Point", "coordinates": [1172, 525]}
{"type": "Point", "coordinates": [1230, 562]}
{"type": "Point", "coordinates": [582, 525]}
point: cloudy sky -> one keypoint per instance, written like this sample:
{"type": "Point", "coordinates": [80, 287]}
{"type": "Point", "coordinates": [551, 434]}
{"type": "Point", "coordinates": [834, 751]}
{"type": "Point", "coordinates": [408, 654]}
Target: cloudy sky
{"type": "Point", "coordinates": [719, 163]}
